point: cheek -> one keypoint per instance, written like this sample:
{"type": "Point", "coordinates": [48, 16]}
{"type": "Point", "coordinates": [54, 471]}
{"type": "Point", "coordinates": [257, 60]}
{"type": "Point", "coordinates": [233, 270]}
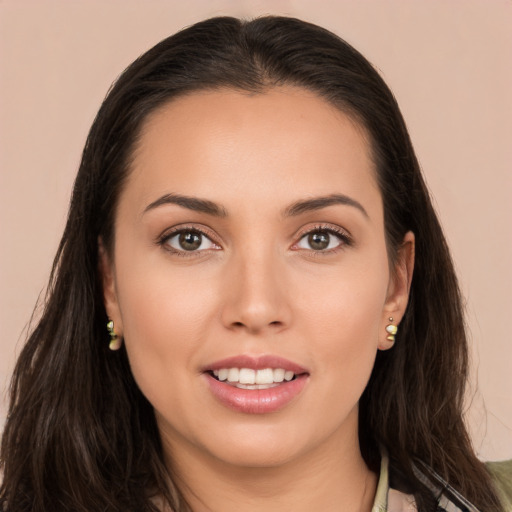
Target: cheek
{"type": "Point", "coordinates": [347, 337]}
{"type": "Point", "coordinates": [164, 314]}
{"type": "Point", "coordinates": [344, 317]}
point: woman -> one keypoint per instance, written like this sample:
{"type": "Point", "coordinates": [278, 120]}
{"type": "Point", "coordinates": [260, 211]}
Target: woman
{"type": "Point", "coordinates": [251, 237]}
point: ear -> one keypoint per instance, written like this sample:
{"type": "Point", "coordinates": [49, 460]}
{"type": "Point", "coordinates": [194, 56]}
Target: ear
{"type": "Point", "coordinates": [398, 289]}
{"type": "Point", "coordinates": [107, 274]}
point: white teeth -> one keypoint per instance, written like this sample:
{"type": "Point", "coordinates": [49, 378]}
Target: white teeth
{"type": "Point", "coordinates": [254, 379]}
{"type": "Point", "coordinates": [233, 374]}
{"type": "Point", "coordinates": [256, 386]}
{"type": "Point", "coordinates": [279, 375]}
{"type": "Point", "coordinates": [247, 376]}
{"type": "Point", "coordinates": [222, 374]}
{"type": "Point", "coordinates": [265, 376]}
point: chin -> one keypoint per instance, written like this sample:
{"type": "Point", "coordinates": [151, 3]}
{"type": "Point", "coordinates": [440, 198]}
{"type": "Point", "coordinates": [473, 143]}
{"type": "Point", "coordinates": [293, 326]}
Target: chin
{"type": "Point", "coordinates": [262, 446]}
{"type": "Point", "coordinates": [255, 456]}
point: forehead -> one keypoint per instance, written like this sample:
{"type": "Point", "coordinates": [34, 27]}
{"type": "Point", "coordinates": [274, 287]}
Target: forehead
{"type": "Point", "coordinates": [285, 137]}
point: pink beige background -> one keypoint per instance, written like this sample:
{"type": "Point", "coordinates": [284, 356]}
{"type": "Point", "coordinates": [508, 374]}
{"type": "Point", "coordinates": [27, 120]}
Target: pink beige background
{"type": "Point", "coordinates": [449, 63]}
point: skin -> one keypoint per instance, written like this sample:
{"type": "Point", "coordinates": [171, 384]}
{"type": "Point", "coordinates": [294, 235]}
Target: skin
{"type": "Point", "coordinates": [257, 288]}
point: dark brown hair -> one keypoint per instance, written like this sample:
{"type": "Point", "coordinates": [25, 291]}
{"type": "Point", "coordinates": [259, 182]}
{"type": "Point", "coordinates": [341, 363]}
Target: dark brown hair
{"type": "Point", "coordinates": [80, 435]}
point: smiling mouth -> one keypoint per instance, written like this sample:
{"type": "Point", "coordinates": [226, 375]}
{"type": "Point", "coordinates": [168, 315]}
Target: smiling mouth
{"type": "Point", "coordinates": [247, 378]}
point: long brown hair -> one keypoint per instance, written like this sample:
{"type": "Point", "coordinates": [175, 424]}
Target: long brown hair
{"type": "Point", "coordinates": [81, 436]}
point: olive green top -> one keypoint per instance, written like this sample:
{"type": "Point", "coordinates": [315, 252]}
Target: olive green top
{"type": "Point", "coordinates": [502, 476]}
{"type": "Point", "coordinates": [391, 500]}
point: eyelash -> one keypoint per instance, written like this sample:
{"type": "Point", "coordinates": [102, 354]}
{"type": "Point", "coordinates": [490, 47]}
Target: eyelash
{"type": "Point", "coordinates": [344, 237]}
{"type": "Point", "coordinates": [341, 234]}
{"type": "Point", "coordinates": [165, 237]}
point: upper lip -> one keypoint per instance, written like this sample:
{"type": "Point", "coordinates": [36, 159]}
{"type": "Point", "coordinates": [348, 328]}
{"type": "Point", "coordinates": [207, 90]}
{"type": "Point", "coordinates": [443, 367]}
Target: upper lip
{"type": "Point", "coordinates": [256, 363]}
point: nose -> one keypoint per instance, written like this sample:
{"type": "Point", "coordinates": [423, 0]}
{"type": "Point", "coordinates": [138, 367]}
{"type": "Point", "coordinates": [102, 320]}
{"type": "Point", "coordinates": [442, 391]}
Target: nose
{"type": "Point", "coordinates": [256, 298]}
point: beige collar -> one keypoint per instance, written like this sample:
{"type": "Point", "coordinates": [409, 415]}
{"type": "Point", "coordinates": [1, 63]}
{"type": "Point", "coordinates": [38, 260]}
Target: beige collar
{"type": "Point", "coordinates": [390, 500]}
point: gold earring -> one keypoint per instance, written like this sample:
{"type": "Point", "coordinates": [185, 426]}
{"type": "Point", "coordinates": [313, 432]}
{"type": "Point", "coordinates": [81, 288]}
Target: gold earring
{"type": "Point", "coordinates": [115, 340]}
{"type": "Point", "coordinates": [391, 329]}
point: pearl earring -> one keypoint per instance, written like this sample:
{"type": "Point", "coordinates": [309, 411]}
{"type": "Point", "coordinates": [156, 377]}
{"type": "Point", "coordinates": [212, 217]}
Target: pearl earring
{"type": "Point", "coordinates": [391, 329]}
{"type": "Point", "coordinates": [115, 340]}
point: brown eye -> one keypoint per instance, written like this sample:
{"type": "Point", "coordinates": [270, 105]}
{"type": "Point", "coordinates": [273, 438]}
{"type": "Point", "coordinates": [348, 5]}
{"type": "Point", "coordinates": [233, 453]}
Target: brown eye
{"type": "Point", "coordinates": [318, 241]}
{"type": "Point", "coordinates": [189, 241]}
{"type": "Point", "coordinates": [321, 240]}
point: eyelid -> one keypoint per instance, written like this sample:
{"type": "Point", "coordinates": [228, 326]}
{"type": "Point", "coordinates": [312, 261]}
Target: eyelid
{"type": "Point", "coordinates": [180, 228]}
{"type": "Point", "coordinates": [334, 229]}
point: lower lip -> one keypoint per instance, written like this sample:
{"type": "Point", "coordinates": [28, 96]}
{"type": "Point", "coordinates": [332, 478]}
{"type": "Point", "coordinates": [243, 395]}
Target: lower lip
{"type": "Point", "coordinates": [256, 401]}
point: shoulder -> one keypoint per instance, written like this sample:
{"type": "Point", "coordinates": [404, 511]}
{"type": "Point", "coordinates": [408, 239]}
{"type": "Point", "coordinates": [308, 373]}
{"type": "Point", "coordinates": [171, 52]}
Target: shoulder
{"type": "Point", "coordinates": [501, 473]}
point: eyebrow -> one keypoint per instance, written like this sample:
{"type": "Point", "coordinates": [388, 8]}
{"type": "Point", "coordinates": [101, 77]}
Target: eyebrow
{"type": "Point", "coordinates": [295, 209]}
{"type": "Point", "coordinates": [191, 203]}
{"type": "Point", "coordinates": [317, 203]}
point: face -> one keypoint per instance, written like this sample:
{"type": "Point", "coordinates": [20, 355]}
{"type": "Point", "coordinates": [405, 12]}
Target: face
{"type": "Point", "coordinates": [250, 277]}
